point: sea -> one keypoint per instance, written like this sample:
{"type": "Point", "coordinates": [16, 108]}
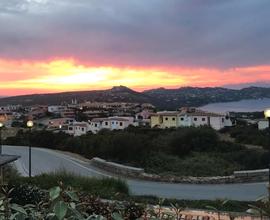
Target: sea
{"type": "Point", "coordinates": [247, 105]}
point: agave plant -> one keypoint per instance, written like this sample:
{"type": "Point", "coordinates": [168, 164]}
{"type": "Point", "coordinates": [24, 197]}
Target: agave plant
{"type": "Point", "coordinates": [262, 207]}
{"type": "Point", "coordinates": [219, 208]}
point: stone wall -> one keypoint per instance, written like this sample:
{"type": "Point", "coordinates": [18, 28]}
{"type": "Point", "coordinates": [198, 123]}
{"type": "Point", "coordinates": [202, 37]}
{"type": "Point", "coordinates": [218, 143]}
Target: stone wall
{"type": "Point", "coordinates": [116, 168]}
{"type": "Point", "coordinates": [138, 173]}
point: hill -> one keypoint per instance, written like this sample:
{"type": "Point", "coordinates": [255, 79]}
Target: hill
{"type": "Point", "coordinates": [161, 97]}
{"type": "Point", "coordinates": [116, 94]}
{"type": "Point", "coordinates": [195, 96]}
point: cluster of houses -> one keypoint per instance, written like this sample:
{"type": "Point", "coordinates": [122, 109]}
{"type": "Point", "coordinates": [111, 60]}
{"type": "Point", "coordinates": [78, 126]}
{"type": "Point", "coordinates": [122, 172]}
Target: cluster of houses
{"type": "Point", "coordinates": [111, 116]}
{"type": "Point", "coordinates": [185, 117]}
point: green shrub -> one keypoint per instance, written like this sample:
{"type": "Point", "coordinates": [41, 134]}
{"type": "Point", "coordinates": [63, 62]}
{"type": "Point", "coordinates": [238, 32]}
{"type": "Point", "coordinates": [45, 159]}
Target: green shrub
{"type": "Point", "coordinates": [26, 194]}
{"type": "Point", "coordinates": [106, 187]}
{"type": "Point", "coordinates": [181, 151]}
{"type": "Point", "coordinates": [197, 164]}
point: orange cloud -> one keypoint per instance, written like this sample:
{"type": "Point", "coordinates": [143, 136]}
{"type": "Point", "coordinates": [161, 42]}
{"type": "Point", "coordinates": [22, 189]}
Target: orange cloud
{"type": "Point", "coordinates": [24, 77]}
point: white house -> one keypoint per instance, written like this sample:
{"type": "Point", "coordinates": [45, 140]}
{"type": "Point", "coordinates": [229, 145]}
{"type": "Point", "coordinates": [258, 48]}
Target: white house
{"type": "Point", "coordinates": [111, 123]}
{"type": "Point", "coordinates": [196, 118]}
{"type": "Point", "coordinates": [96, 125]}
{"type": "Point", "coordinates": [78, 128]}
{"type": "Point", "coordinates": [263, 124]}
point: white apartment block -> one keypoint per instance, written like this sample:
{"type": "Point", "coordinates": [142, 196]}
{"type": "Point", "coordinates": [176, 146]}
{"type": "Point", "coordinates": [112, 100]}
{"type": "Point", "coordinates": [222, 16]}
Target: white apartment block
{"type": "Point", "coordinates": [111, 123]}
{"type": "Point", "coordinates": [78, 128]}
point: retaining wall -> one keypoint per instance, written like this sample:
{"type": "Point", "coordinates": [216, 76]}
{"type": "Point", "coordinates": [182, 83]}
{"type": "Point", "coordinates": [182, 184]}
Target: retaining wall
{"type": "Point", "coordinates": [116, 168]}
{"type": "Point", "coordinates": [247, 176]}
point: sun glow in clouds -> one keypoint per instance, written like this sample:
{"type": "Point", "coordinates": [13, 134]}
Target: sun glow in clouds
{"type": "Point", "coordinates": [24, 77]}
{"type": "Point", "coordinates": [66, 75]}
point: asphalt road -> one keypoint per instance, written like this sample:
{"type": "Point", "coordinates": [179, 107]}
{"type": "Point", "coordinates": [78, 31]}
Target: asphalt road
{"type": "Point", "coordinates": [44, 160]}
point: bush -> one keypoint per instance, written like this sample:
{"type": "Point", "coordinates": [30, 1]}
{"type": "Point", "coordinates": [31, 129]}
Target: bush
{"type": "Point", "coordinates": [63, 203]}
{"type": "Point", "coordinates": [250, 135]}
{"type": "Point", "coordinates": [171, 151]}
{"type": "Point", "coordinates": [107, 187]}
{"type": "Point", "coordinates": [197, 164]}
{"type": "Point", "coordinates": [26, 194]}
{"type": "Point", "coordinates": [186, 140]}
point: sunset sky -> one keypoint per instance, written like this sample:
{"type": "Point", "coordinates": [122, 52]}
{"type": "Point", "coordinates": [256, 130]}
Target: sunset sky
{"type": "Point", "coordinates": [66, 45]}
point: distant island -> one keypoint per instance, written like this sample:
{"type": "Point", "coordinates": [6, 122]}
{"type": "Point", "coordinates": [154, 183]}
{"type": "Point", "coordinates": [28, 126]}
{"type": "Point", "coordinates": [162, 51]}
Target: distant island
{"type": "Point", "coordinates": [162, 98]}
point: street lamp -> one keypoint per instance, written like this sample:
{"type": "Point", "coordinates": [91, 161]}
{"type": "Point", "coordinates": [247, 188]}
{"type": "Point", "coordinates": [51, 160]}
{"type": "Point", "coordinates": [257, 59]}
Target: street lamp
{"type": "Point", "coordinates": [267, 115]}
{"type": "Point", "coordinates": [1, 127]}
{"type": "Point", "coordinates": [30, 124]}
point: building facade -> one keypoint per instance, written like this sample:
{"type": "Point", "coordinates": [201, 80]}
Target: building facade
{"type": "Point", "coordinates": [111, 123]}
{"type": "Point", "coordinates": [189, 117]}
{"type": "Point", "coordinates": [78, 128]}
{"type": "Point", "coordinates": [263, 124]}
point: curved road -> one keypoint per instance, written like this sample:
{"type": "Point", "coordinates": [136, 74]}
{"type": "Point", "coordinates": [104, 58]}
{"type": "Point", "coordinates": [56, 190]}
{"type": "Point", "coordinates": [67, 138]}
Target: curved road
{"type": "Point", "coordinates": [45, 160]}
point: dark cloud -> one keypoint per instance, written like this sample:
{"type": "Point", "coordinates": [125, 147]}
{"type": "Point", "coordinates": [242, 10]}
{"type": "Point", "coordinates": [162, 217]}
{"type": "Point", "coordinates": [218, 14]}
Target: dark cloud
{"type": "Point", "coordinates": [224, 33]}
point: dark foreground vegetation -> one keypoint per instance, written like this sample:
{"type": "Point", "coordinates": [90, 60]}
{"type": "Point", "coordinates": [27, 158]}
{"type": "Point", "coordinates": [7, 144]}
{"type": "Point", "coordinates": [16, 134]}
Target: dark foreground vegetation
{"type": "Point", "coordinates": [250, 134]}
{"type": "Point", "coordinates": [105, 188]}
{"type": "Point", "coordinates": [62, 195]}
{"type": "Point", "coordinates": [184, 151]}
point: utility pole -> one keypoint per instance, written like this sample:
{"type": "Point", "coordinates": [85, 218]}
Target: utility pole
{"type": "Point", "coordinates": [1, 127]}
{"type": "Point", "coordinates": [1, 168]}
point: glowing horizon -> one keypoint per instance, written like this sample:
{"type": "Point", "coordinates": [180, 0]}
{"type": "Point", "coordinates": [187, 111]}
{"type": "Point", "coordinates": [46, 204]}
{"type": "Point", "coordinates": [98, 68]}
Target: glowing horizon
{"type": "Point", "coordinates": [61, 75]}
{"type": "Point", "coordinates": [57, 46]}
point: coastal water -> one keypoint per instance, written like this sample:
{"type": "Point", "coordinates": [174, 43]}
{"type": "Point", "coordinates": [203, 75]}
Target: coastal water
{"type": "Point", "coordinates": [248, 105]}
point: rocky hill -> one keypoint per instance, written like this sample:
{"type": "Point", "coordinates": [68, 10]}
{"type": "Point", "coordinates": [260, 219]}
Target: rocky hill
{"type": "Point", "coordinates": [161, 97]}
{"type": "Point", "coordinates": [116, 94]}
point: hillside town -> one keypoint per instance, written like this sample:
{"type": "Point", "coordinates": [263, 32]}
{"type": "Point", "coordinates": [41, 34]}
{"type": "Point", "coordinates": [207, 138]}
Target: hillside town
{"type": "Point", "coordinates": [80, 118]}
{"type": "Point", "coordinates": [134, 110]}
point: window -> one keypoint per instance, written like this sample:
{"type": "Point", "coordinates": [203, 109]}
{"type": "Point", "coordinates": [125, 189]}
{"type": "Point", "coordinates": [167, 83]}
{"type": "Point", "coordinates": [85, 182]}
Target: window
{"type": "Point", "coordinates": [70, 128]}
{"type": "Point", "coordinates": [106, 123]}
{"type": "Point", "coordinates": [222, 119]}
{"type": "Point", "coordinates": [173, 119]}
{"type": "Point", "coordinates": [112, 123]}
{"type": "Point", "coordinates": [166, 119]}
{"type": "Point", "coordinates": [182, 119]}
{"type": "Point", "coordinates": [95, 125]}
{"type": "Point", "coordinates": [82, 129]}
{"type": "Point", "coordinates": [121, 123]}
{"type": "Point", "coordinates": [195, 119]}
{"type": "Point", "coordinates": [203, 119]}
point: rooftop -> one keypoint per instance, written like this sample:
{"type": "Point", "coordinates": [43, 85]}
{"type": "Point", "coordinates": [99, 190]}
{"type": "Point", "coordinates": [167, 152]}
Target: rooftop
{"type": "Point", "coordinates": [5, 159]}
{"type": "Point", "coordinates": [188, 112]}
{"type": "Point", "coordinates": [166, 113]}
